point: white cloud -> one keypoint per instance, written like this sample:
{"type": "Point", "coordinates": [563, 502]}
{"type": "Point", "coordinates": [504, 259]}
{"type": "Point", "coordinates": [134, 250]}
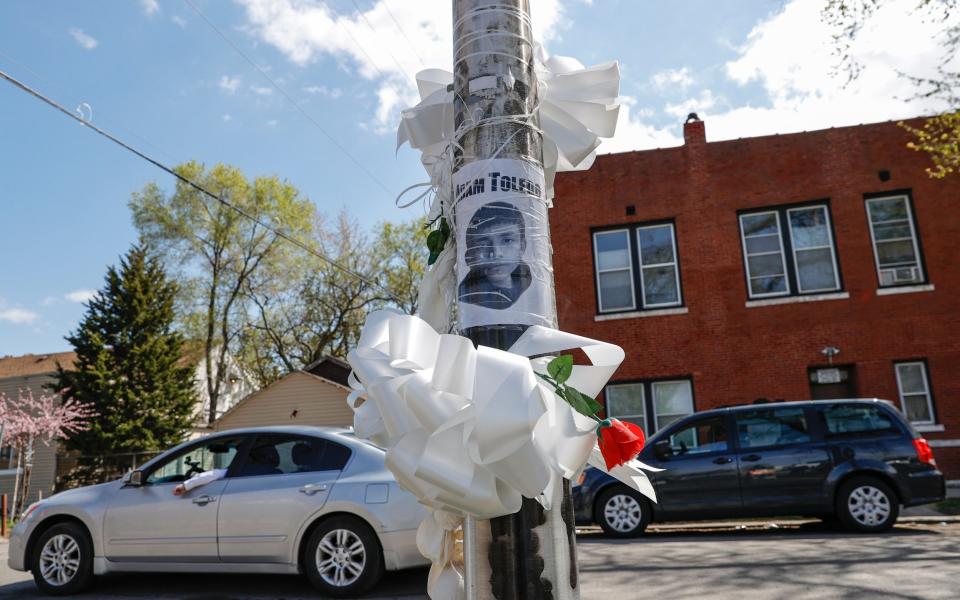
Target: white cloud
{"type": "Point", "coordinates": [179, 21]}
{"type": "Point", "coordinates": [80, 295]}
{"type": "Point", "coordinates": [790, 55]}
{"type": "Point", "coordinates": [261, 90]}
{"type": "Point", "coordinates": [150, 7]}
{"type": "Point", "coordinates": [18, 316]}
{"type": "Point", "coordinates": [229, 85]}
{"type": "Point", "coordinates": [700, 105]}
{"type": "Point", "coordinates": [272, 123]}
{"type": "Point", "coordinates": [85, 41]}
{"type": "Point", "coordinates": [633, 133]}
{"type": "Point", "coordinates": [672, 78]}
{"type": "Point", "coordinates": [305, 30]}
{"type": "Point", "coordinates": [323, 90]}
{"type": "Point", "coordinates": [225, 118]}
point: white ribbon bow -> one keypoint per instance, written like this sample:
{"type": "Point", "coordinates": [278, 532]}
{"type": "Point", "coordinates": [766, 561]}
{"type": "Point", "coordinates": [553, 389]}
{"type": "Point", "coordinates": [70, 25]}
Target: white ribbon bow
{"type": "Point", "coordinates": [470, 431]}
{"type": "Point", "coordinates": [578, 106]}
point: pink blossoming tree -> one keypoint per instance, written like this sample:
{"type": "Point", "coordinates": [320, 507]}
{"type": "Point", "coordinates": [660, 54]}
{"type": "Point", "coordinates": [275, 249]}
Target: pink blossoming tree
{"type": "Point", "coordinates": [30, 419]}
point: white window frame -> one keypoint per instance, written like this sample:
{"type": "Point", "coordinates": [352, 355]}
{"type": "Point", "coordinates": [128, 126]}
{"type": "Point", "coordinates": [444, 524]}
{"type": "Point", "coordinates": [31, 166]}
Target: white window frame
{"type": "Point", "coordinates": [926, 387]}
{"type": "Point", "coordinates": [832, 247]}
{"type": "Point", "coordinates": [653, 400]}
{"type": "Point", "coordinates": [746, 256]}
{"type": "Point", "coordinates": [675, 264]}
{"type": "Point", "coordinates": [643, 401]}
{"type": "Point", "coordinates": [628, 268]}
{"type": "Point", "coordinates": [914, 238]}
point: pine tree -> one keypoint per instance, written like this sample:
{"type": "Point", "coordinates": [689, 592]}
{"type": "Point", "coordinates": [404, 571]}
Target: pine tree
{"type": "Point", "coordinates": [128, 366]}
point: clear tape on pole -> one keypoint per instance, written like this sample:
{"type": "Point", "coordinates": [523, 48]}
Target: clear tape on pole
{"type": "Point", "coordinates": [577, 106]}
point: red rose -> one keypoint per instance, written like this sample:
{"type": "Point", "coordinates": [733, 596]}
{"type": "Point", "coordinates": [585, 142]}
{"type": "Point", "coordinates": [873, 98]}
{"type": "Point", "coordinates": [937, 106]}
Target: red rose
{"type": "Point", "coordinates": [620, 442]}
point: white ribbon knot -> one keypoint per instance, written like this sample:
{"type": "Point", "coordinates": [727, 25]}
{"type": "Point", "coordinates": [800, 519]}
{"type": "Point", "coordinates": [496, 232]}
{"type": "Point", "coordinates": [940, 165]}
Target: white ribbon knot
{"type": "Point", "coordinates": [473, 430]}
{"type": "Point", "coordinates": [470, 431]}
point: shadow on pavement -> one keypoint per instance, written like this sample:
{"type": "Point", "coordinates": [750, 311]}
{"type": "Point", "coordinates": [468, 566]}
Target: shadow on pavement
{"type": "Point", "coordinates": [407, 584]}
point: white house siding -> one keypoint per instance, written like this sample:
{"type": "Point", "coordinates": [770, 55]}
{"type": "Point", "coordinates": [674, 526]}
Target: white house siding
{"type": "Point", "coordinates": [43, 477]}
{"type": "Point", "coordinates": [315, 400]}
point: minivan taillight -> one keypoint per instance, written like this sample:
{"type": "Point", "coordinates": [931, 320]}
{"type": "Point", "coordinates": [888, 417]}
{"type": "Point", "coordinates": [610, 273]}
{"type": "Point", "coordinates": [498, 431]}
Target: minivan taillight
{"type": "Point", "coordinates": [924, 453]}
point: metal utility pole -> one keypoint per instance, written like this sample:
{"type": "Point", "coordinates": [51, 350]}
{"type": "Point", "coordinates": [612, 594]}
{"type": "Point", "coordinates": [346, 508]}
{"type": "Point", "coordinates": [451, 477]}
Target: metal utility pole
{"type": "Point", "coordinates": [529, 555]}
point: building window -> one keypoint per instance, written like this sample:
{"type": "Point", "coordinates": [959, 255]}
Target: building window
{"type": "Point", "coordinates": [7, 459]}
{"type": "Point", "coordinates": [614, 270]}
{"type": "Point", "coordinates": [915, 397]}
{"type": "Point", "coordinates": [652, 405]}
{"type": "Point", "coordinates": [895, 246]}
{"type": "Point", "coordinates": [659, 274]}
{"type": "Point", "coordinates": [789, 251]}
{"type": "Point", "coordinates": [642, 257]}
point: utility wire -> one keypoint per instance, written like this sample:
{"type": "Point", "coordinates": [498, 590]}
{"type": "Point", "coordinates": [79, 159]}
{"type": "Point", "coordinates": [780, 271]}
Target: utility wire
{"type": "Point", "coordinates": [403, 33]}
{"type": "Point", "coordinates": [197, 186]}
{"type": "Point", "coordinates": [370, 27]}
{"type": "Point", "coordinates": [290, 98]}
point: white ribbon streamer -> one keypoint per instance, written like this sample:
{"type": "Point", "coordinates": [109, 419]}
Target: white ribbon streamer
{"type": "Point", "coordinates": [471, 431]}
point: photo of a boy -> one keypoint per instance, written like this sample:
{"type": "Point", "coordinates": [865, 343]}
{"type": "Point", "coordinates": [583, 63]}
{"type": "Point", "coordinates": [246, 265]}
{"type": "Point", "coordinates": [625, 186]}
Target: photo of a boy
{"type": "Point", "coordinates": [495, 243]}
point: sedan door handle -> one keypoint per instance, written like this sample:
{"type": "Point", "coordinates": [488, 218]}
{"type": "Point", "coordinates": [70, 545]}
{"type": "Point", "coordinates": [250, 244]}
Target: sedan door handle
{"type": "Point", "coordinates": [751, 458]}
{"type": "Point", "coordinates": [722, 460]}
{"type": "Point", "coordinates": [312, 488]}
{"type": "Point", "coordinates": [202, 500]}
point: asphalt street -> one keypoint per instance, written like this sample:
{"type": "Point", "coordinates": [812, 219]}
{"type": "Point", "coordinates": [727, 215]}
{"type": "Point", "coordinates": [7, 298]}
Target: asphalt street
{"type": "Point", "coordinates": [791, 561]}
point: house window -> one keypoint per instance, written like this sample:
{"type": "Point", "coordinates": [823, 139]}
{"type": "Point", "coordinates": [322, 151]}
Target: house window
{"type": "Point", "coordinates": [650, 404]}
{"type": "Point", "coordinates": [7, 460]}
{"type": "Point", "coordinates": [614, 270]}
{"type": "Point", "coordinates": [659, 275]}
{"type": "Point", "coordinates": [915, 397]}
{"type": "Point", "coordinates": [894, 236]}
{"type": "Point", "coordinates": [636, 267]}
{"type": "Point", "coordinates": [789, 251]}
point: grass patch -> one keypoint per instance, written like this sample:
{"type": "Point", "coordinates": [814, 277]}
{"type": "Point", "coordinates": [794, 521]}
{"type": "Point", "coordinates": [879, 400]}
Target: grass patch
{"type": "Point", "coordinates": [950, 506]}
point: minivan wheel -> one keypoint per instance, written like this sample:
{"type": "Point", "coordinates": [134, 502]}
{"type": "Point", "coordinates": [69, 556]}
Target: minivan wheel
{"type": "Point", "coordinates": [622, 512]}
{"type": "Point", "coordinates": [343, 557]}
{"type": "Point", "coordinates": [867, 504]}
{"type": "Point", "coordinates": [62, 561]}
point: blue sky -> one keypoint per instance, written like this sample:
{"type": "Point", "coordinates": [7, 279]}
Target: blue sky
{"type": "Point", "coordinates": [154, 73]}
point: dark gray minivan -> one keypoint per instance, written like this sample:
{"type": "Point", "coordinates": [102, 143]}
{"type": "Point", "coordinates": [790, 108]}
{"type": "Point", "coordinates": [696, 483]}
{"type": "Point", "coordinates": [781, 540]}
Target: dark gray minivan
{"type": "Point", "coordinates": [854, 460]}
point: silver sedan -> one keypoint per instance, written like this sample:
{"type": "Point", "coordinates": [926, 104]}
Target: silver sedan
{"type": "Point", "coordinates": [311, 500]}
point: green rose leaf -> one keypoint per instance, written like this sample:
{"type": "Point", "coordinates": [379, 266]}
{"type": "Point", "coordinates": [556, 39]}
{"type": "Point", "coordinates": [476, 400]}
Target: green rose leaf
{"type": "Point", "coordinates": [561, 367]}
{"type": "Point", "coordinates": [591, 405]}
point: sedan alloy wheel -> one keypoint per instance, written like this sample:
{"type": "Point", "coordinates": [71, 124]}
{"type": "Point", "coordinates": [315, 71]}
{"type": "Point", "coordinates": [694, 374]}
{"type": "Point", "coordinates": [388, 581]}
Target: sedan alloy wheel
{"type": "Point", "coordinates": [60, 559]}
{"type": "Point", "coordinates": [341, 557]}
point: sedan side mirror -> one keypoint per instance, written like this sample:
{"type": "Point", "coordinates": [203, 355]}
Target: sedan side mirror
{"type": "Point", "coordinates": [662, 449]}
{"type": "Point", "coordinates": [133, 479]}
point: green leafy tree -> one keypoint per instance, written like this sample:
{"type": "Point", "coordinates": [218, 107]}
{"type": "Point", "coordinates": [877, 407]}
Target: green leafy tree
{"type": "Point", "coordinates": [222, 257]}
{"type": "Point", "coordinates": [939, 136]}
{"type": "Point", "coordinates": [400, 252]}
{"type": "Point", "coordinates": [323, 310]}
{"type": "Point", "coordinates": [128, 368]}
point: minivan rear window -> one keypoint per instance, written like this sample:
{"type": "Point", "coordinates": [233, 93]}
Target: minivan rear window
{"type": "Point", "coordinates": [856, 419]}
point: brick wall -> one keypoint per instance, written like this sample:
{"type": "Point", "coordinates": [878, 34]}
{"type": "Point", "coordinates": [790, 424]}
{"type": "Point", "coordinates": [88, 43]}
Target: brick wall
{"type": "Point", "coordinates": [735, 353]}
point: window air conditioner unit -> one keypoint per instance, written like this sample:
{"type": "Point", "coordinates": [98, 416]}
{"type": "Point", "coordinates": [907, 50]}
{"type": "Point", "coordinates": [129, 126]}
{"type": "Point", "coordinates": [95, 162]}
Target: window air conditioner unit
{"type": "Point", "coordinates": [899, 275]}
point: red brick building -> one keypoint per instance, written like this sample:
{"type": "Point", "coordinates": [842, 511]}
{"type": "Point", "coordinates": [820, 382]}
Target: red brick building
{"type": "Point", "coordinates": [812, 265]}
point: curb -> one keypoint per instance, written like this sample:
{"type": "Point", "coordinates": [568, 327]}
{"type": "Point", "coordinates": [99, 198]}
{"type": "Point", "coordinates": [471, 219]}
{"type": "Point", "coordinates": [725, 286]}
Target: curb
{"type": "Point", "coordinates": [765, 524]}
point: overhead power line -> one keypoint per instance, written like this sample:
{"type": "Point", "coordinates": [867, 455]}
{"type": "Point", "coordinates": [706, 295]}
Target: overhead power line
{"type": "Point", "coordinates": [371, 28]}
{"type": "Point", "coordinates": [403, 33]}
{"type": "Point", "coordinates": [197, 186]}
{"type": "Point", "coordinates": [290, 98]}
